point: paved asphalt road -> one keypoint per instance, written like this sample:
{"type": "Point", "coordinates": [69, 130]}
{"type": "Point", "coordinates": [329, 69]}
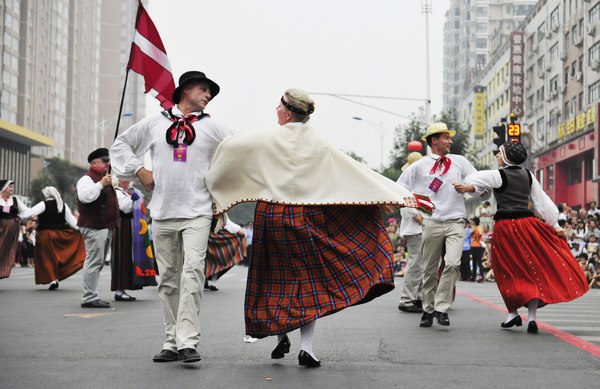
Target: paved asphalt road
{"type": "Point", "coordinates": [48, 341]}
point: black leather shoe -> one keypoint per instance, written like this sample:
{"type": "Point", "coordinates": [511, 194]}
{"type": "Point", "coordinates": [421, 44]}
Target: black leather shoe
{"type": "Point", "coordinates": [418, 303]}
{"type": "Point", "coordinates": [516, 321]}
{"type": "Point", "coordinates": [166, 356]}
{"type": "Point", "coordinates": [53, 285]}
{"type": "Point", "coordinates": [532, 327]}
{"type": "Point", "coordinates": [442, 318]}
{"type": "Point", "coordinates": [189, 355]}
{"type": "Point", "coordinates": [124, 297]}
{"type": "Point", "coordinates": [95, 304]}
{"type": "Point", "coordinates": [426, 320]}
{"type": "Point", "coordinates": [410, 308]}
{"type": "Point", "coordinates": [282, 348]}
{"type": "Point", "coordinates": [304, 359]}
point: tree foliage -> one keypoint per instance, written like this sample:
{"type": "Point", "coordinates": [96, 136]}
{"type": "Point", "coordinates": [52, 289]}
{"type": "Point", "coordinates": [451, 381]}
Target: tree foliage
{"type": "Point", "coordinates": [59, 174]}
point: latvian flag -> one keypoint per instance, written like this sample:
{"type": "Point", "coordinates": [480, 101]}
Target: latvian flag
{"type": "Point", "coordinates": [148, 58]}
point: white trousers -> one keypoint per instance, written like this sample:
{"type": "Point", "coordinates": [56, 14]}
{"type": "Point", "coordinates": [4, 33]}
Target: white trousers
{"type": "Point", "coordinates": [448, 235]}
{"type": "Point", "coordinates": [180, 246]}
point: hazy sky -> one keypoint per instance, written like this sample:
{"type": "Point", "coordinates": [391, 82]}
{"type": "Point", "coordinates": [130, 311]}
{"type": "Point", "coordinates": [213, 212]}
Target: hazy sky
{"type": "Point", "coordinates": [255, 50]}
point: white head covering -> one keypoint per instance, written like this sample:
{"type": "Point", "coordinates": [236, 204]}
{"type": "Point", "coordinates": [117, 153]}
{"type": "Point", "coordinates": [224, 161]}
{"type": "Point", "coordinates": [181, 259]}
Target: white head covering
{"type": "Point", "coordinates": [50, 192]}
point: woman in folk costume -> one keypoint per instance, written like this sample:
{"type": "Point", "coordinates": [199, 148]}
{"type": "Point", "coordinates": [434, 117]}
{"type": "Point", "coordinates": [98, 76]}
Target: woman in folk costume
{"type": "Point", "coordinates": [532, 262]}
{"type": "Point", "coordinates": [132, 265]}
{"type": "Point", "coordinates": [10, 208]}
{"type": "Point", "coordinates": [319, 242]}
{"type": "Point", "coordinates": [59, 247]}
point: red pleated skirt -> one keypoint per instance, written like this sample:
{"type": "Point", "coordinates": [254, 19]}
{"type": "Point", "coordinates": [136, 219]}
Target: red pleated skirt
{"type": "Point", "coordinates": [531, 262]}
{"type": "Point", "coordinates": [311, 261]}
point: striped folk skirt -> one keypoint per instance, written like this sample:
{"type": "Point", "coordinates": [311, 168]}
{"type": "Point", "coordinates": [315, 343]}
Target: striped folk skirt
{"type": "Point", "coordinates": [223, 252]}
{"type": "Point", "coordinates": [9, 243]}
{"type": "Point", "coordinates": [58, 254]}
{"type": "Point", "coordinates": [308, 262]}
{"type": "Point", "coordinates": [531, 262]}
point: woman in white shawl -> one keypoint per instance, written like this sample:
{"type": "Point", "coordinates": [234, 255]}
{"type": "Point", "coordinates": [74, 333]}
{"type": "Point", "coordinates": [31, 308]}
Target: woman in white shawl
{"type": "Point", "coordinates": [60, 248]}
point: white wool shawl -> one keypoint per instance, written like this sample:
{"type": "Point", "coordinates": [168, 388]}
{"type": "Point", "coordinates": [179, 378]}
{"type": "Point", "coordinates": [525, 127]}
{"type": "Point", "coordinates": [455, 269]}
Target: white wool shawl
{"type": "Point", "coordinates": [294, 165]}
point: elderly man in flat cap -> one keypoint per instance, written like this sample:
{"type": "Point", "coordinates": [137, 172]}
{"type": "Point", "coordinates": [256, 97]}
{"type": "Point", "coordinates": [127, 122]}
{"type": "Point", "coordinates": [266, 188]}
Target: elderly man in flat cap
{"type": "Point", "coordinates": [182, 141]}
{"type": "Point", "coordinates": [98, 217]}
{"type": "Point", "coordinates": [439, 175]}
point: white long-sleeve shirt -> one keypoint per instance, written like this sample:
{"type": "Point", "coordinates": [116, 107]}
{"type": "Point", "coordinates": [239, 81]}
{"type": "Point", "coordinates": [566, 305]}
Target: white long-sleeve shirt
{"type": "Point", "coordinates": [449, 204]}
{"type": "Point", "coordinates": [88, 190]}
{"type": "Point", "coordinates": [408, 224]}
{"type": "Point", "coordinates": [40, 208]}
{"type": "Point", "coordinates": [542, 203]}
{"type": "Point", "coordinates": [179, 191]}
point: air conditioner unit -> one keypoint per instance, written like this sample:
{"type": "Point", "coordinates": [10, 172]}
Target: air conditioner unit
{"type": "Point", "coordinates": [548, 66]}
{"type": "Point", "coordinates": [549, 98]}
{"type": "Point", "coordinates": [591, 30]}
{"type": "Point", "coordinates": [541, 73]}
{"type": "Point", "coordinates": [555, 27]}
{"type": "Point", "coordinates": [579, 76]}
{"type": "Point", "coordinates": [535, 48]}
{"type": "Point", "coordinates": [563, 55]}
{"type": "Point", "coordinates": [578, 40]}
{"type": "Point", "coordinates": [549, 35]}
{"type": "Point", "coordinates": [563, 89]}
{"type": "Point", "coordinates": [595, 65]}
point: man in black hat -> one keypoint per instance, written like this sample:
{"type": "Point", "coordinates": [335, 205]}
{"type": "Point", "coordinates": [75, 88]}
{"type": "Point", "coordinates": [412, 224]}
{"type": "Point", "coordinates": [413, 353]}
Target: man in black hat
{"type": "Point", "coordinates": [98, 216]}
{"type": "Point", "coordinates": [182, 141]}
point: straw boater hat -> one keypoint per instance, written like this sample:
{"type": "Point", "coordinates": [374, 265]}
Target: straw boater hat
{"type": "Point", "coordinates": [412, 158]}
{"type": "Point", "coordinates": [437, 128]}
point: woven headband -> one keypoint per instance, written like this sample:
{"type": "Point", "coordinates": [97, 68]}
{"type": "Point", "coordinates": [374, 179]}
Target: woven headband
{"type": "Point", "coordinates": [294, 109]}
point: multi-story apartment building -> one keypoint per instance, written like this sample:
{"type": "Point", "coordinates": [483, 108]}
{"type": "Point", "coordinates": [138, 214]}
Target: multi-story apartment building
{"type": "Point", "coordinates": [473, 29]}
{"type": "Point", "coordinates": [62, 67]}
{"type": "Point", "coordinates": [561, 65]}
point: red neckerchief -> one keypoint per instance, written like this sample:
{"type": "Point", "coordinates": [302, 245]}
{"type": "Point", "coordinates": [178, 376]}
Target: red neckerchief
{"type": "Point", "coordinates": [443, 163]}
{"type": "Point", "coordinates": [184, 124]}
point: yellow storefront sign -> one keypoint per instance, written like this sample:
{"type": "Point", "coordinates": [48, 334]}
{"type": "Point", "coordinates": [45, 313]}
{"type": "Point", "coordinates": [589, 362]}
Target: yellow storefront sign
{"type": "Point", "coordinates": [580, 123]}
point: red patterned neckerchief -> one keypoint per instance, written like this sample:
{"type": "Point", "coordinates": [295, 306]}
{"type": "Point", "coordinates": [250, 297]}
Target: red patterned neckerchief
{"type": "Point", "coordinates": [184, 124]}
{"type": "Point", "coordinates": [443, 163]}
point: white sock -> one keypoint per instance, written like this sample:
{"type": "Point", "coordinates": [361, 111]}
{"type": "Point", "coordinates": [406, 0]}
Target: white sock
{"type": "Point", "coordinates": [512, 315]}
{"type": "Point", "coordinates": [306, 334]}
{"type": "Point", "coordinates": [532, 307]}
{"type": "Point", "coordinates": [280, 337]}
{"type": "Point", "coordinates": [120, 292]}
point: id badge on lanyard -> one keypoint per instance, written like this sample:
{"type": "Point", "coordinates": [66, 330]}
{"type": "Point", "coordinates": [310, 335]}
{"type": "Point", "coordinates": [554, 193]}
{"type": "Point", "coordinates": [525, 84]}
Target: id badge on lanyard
{"type": "Point", "coordinates": [180, 151]}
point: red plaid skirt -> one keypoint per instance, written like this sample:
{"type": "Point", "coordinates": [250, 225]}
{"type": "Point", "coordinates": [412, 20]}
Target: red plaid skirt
{"type": "Point", "coordinates": [223, 252]}
{"type": "Point", "coordinates": [308, 262]}
{"type": "Point", "coordinates": [531, 262]}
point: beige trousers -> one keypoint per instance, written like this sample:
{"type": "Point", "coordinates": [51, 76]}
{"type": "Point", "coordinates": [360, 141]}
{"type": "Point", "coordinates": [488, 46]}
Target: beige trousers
{"type": "Point", "coordinates": [180, 246]}
{"type": "Point", "coordinates": [448, 235]}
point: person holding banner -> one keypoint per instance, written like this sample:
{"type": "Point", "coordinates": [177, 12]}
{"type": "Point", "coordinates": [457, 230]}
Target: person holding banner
{"type": "Point", "coordinates": [132, 265]}
{"type": "Point", "coordinates": [181, 141]}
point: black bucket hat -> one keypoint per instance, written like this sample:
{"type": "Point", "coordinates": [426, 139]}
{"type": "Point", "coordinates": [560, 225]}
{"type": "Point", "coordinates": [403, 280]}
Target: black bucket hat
{"type": "Point", "coordinates": [194, 76]}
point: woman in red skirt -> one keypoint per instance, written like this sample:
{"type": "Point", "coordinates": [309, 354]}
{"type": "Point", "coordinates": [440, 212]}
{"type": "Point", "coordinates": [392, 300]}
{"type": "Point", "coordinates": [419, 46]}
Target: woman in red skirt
{"type": "Point", "coordinates": [319, 242]}
{"type": "Point", "coordinates": [531, 259]}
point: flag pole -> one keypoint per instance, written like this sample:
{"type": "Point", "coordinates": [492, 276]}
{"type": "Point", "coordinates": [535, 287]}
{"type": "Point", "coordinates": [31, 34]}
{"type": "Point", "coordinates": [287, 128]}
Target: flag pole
{"type": "Point", "coordinates": [121, 105]}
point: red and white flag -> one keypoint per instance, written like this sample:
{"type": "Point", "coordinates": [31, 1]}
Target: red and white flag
{"type": "Point", "coordinates": [149, 59]}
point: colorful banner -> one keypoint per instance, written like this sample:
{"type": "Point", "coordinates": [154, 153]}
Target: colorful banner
{"type": "Point", "coordinates": [479, 112]}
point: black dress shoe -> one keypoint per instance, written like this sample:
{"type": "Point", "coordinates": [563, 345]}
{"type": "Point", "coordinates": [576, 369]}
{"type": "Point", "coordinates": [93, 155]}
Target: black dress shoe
{"type": "Point", "coordinates": [426, 320]}
{"type": "Point", "coordinates": [418, 303]}
{"type": "Point", "coordinates": [95, 304]}
{"type": "Point", "coordinates": [189, 355]}
{"type": "Point", "coordinates": [515, 321]}
{"type": "Point", "coordinates": [124, 297]}
{"type": "Point", "coordinates": [442, 318]}
{"type": "Point", "coordinates": [166, 356]}
{"type": "Point", "coordinates": [304, 359]}
{"type": "Point", "coordinates": [410, 308]}
{"type": "Point", "coordinates": [53, 285]}
{"type": "Point", "coordinates": [532, 327]}
{"type": "Point", "coordinates": [282, 348]}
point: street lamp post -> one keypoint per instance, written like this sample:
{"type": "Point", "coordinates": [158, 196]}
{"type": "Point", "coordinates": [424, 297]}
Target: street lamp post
{"type": "Point", "coordinates": [381, 140]}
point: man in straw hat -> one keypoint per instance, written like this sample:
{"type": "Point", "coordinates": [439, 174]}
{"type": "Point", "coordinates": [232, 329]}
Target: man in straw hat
{"type": "Point", "coordinates": [438, 175]}
{"type": "Point", "coordinates": [411, 230]}
{"type": "Point", "coordinates": [182, 141]}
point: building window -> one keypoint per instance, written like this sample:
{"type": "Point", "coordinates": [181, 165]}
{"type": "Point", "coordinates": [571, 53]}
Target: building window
{"type": "Point", "coordinates": [554, 18]}
{"type": "Point", "coordinates": [574, 171]}
{"type": "Point", "coordinates": [588, 166]}
{"type": "Point", "coordinates": [551, 177]}
{"type": "Point", "coordinates": [594, 92]}
{"type": "Point", "coordinates": [481, 43]}
{"type": "Point", "coordinates": [541, 31]}
{"type": "Point", "coordinates": [540, 177]}
{"type": "Point", "coordinates": [482, 12]}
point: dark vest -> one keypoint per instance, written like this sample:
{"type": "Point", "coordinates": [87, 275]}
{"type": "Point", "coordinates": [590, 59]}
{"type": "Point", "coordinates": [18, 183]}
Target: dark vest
{"type": "Point", "coordinates": [513, 196]}
{"type": "Point", "coordinates": [102, 212]}
{"type": "Point", "coordinates": [51, 219]}
{"type": "Point", "coordinates": [14, 211]}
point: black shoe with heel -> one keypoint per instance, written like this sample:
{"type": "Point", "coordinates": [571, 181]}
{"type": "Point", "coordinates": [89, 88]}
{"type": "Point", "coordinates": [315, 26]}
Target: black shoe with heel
{"type": "Point", "coordinates": [282, 348]}
{"type": "Point", "coordinates": [532, 327]}
{"type": "Point", "coordinates": [516, 321]}
{"type": "Point", "coordinates": [305, 359]}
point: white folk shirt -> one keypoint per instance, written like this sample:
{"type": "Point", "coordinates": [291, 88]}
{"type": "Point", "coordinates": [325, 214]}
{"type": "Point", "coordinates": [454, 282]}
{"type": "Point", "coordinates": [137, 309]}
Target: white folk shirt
{"type": "Point", "coordinates": [449, 204]}
{"type": "Point", "coordinates": [180, 191]}
{"type": "Point", "coordinates": [542, 203]}
{"type": "Point", "coordinates": [408, 224]}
